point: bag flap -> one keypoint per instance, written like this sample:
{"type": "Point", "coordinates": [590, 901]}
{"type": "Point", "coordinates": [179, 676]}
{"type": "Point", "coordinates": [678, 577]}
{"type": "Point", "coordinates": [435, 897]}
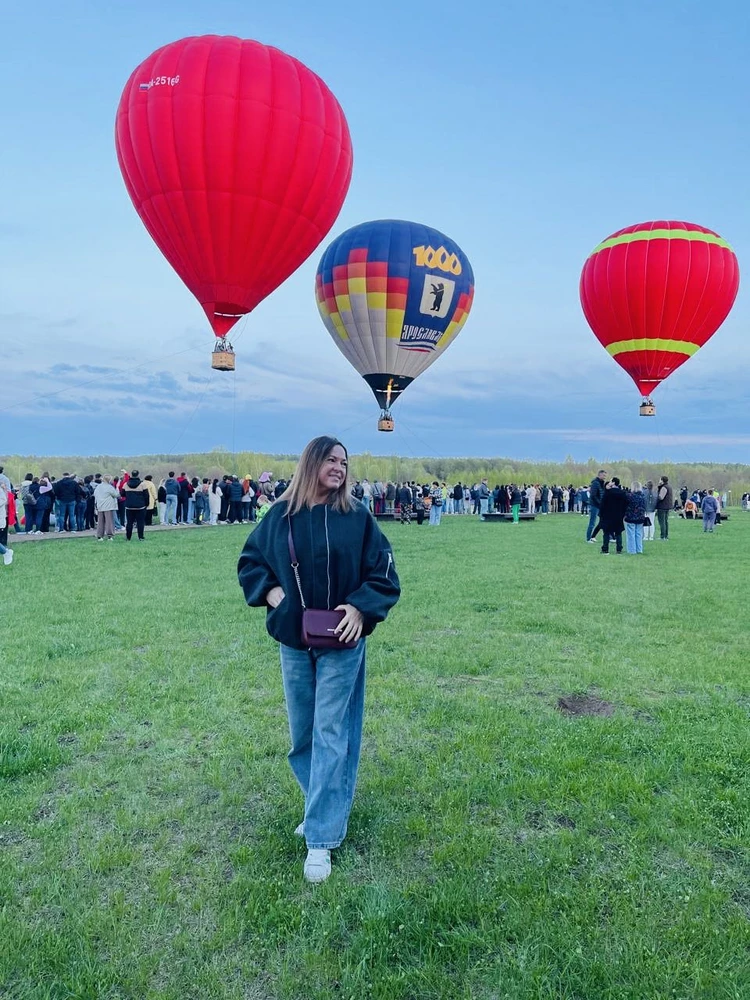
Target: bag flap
{"type": "Point", "coordinates": [321, 622]}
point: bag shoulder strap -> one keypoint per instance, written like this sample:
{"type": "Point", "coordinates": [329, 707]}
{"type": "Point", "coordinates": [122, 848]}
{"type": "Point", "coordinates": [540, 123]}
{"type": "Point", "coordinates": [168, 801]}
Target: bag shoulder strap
{"type": "Point", "coordinates": [295, 564]}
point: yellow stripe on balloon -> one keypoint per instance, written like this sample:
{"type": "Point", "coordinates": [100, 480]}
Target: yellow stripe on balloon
{"type": "Point", "coordinates": [661, 234]}
{"type": "Point", "coordinates": [339, 324]}
{"type": "Point", "coordinates": [674, 346]}
{"type": "Point", "coordinates": [357, 286]}
{"type": "Point", "coordinates": [449, 330]}
{"type": "Point", "coordinates": [394, 323]}
{"type": "Point", "coordinates": [376, 300]}
{"type": "Point", "coordinates": [453, 328]}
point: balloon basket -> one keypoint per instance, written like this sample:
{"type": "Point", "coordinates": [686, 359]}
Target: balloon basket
{"type": "Point", "coordinates": [386, 422]}
{"type": "Point", "coordinates": [223, 360]}
{"type": "Point", "coordinates": [647, 408]}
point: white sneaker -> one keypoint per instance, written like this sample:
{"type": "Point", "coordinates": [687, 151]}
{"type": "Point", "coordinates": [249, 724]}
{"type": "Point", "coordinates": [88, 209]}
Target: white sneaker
{"type": "Point", "coordinates": [8, 559]}
{"type": "Point", "coordinates": [317, 865]}
{"type": "Point", "coordinates": [299, 831]}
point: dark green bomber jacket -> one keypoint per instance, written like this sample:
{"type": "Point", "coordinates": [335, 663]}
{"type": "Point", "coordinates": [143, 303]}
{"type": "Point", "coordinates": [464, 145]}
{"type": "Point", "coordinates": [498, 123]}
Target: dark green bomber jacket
{"type": "Point", "coordinates": [343, 559]}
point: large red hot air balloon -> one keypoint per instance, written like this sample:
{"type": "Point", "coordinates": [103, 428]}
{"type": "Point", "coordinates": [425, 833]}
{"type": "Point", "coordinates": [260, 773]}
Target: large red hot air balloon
{"type": "Point", "coordinates": [654, 294]}
{"type": "Point", "coordinates": [237, 159]}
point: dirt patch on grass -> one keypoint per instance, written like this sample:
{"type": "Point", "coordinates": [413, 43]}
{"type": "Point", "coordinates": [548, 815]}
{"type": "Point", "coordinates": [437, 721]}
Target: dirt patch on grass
{"type": "Point", "coordinates": [583, 704]}
{"type": "Point", "coordinates": [540, 823]}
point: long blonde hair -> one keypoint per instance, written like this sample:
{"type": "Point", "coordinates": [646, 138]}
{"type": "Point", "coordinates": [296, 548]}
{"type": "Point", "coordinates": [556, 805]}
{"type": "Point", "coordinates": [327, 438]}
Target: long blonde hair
{"type": "Point", "coordinates": [303, 489]}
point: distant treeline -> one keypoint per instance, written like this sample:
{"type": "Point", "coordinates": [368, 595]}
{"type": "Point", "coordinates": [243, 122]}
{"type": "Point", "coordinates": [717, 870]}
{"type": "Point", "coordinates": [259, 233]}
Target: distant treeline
{"type": "Point", "coordinates": [732, 478]}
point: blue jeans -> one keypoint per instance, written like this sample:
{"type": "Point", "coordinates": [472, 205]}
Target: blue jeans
{"type": "Point", "coordinates": [435, 514]}
{"type": "Point", "coordinates": [325, 700]}
{"type": "Point", "coordinates": [593, 518]}
{"type": "Point", "coordinates": [191, 511]}
{"type": "Point", "coordinates": [65, 509]}
{"type": "Point", "coordinates": [80, 515]}
{"type": "Point", "coordinates": [29, 514]}
{"type": "Point", "coordinates": [634, 538]}
{"type": "Point", "coordinates": [484, 505]}
{"type": "Point", "coordinates": [171, 515]}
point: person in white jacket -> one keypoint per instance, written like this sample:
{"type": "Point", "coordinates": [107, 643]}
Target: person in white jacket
{"type": "Point", "coordinates": [531, 498]}
{"type": "Point", "coordinates": [6, 553]}
{"type": "Point", "coordinates": [214, 502]}
{"type": "Point", "coordinates": [105, 503]}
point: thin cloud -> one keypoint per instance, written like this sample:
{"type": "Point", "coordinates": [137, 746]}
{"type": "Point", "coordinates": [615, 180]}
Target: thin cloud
{"type": "Point", "coordinates": [615, 437]}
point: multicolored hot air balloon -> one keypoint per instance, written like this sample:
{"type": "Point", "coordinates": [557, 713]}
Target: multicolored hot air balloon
{"type": "Point", "coordinates": [237, 159]}
{"type": "Point", "coordinates": [393, 295]}
{"type": "Point", "coordinates": [654, 293]}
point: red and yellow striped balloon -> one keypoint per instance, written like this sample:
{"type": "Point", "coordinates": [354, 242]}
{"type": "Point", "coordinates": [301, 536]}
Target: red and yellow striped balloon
{"type": "Point", "coordinates": [655, 293]}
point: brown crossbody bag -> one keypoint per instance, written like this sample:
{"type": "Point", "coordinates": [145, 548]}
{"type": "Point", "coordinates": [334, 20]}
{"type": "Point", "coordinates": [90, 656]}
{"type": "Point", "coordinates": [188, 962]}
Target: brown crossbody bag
{"type": "Point", "coordinates": [318, 624]}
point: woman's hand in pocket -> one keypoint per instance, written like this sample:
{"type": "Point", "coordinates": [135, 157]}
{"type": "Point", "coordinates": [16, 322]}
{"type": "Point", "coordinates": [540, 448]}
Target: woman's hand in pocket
{"type": "Point", "coordinates": [274, 597]}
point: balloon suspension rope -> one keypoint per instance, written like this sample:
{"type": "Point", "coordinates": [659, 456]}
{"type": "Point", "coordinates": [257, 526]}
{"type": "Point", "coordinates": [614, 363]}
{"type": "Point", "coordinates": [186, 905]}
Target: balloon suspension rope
{"type": "Point", "coordinates": [234, 414]}
{"type": "Point", "coordinates": [189, 419]}
{"type": "Point", "coordinates": [357, 423]}
{"type": "Point", "coordinates": [403, 425]}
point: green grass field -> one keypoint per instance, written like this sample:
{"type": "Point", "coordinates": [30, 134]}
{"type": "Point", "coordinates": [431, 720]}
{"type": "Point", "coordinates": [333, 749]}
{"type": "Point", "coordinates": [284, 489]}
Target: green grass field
{"type": "Point", "coordinates": [500, 848]}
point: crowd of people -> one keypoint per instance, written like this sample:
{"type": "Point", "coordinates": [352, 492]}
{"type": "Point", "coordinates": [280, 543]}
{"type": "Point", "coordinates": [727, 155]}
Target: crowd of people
{"type": "Point", "coordinates": [107, 504]}
{"type": "Point", "coordinates": [462, 498]}
{"type": "Point", "coordinates": [410, 500]}
{"type": "Point", "coordinates": [615, 511]}
{"type": "Point", "coordinates": [127, 503]}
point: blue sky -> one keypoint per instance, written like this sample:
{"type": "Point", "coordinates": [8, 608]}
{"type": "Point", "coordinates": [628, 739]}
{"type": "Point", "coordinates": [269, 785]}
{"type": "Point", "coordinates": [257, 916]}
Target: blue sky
{"type": "Point", "coordinates": [558, 123]}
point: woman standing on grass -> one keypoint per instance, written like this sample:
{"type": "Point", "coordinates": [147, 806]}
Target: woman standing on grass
{"type": "Point", "coordinates": [404, 496]}
{"type": "Point", "coordinates": [344, 563]}
{"type": "Point", "coordinates": [635, 513]}
{"type": "Point", "coordinates": [612, 515]}
{"type": "Point", "coordinates": [436, 505]}
{"type": "Point", "coordinates": [214, 502]}
{"type": "Point", "coordinates": [106, 498]}
{"type": "Point", "coordinates": [44, 504]}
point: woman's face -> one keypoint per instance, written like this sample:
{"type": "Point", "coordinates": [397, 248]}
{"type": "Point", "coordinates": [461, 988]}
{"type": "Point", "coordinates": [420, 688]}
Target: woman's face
{"type": "Point", "coordinates": [332, 472]}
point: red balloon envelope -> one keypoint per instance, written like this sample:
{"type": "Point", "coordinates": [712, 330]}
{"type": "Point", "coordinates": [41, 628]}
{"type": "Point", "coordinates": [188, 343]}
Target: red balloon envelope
{"type": "Point", "coordinates": [655, 293]}
{"type": "Point", "coordinates": [237, 159]}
